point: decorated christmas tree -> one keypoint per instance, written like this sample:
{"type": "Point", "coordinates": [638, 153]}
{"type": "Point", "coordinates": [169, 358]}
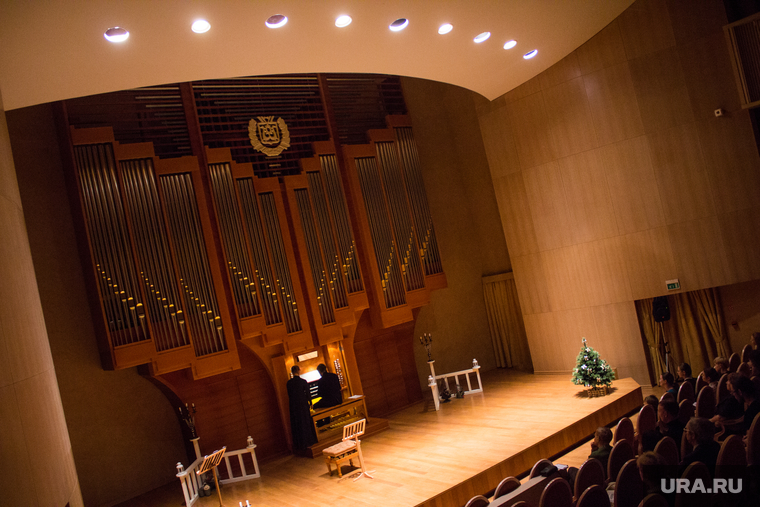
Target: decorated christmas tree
{"type": "Point", "coordinates": [591, 370]}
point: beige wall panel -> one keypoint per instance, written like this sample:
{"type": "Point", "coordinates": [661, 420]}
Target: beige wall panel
{"type": "Point", "coordinates": [539, 328]}
{"type": "Point", "coordinates": [22, 326]}
{"type": "Point", "coordinates": [15, 467]}
{"type": "Point", "coordinates": [699, 254]}
{"type": "Point", "coordinates": [535, 144]}
{"type": "Point", "coordinates": [645, 28]}
{"type": "Point", "coordinates": [604, 271]}
{"type": "Point", "coordinates": [52, 464]}
{"type": "Point", "coordinates": [602, 50]}
{"type": "Point", "coordinates": [681, 175]}
{"type": "Point", "coordinates": [499, 143]}
{"type": "Point", "coordinates": [548, 207]}
{"type": "Point", "coordinates": [691, 19]}
{"type": "Point", "coordinates": [649, 260]}
{"type": "Point", "coordinates": [570, 118]}
{"type": "Point", "coordinates": [527, 88]}
{"type": "Point", "coordinates": [740, 231]}
{"type": "Point", "coordinates": [631, 181]}
{"type": "Point", "coordinates": [589, 203]}
{"type": "Point", "coordinates": [562, 71]}
{"type": "Point", "coordinates": [564, 276]}
{"type": "Point", "coordinates": [661, 90]}
{"type": "Point", "coordinates": [731, 159]}
{"type": "Point", "coordinates": [709, 77]}
{"type": "Point", "coordinates": [619, 340]}
{"type": "Point", "coordinates": [572, 327]}
{"type": "Point", "coordinates": [514, 209]}
{"type": "Point", "coordinates": [614, 108]}
{"type": "Point", "coordinates": [531, 282]}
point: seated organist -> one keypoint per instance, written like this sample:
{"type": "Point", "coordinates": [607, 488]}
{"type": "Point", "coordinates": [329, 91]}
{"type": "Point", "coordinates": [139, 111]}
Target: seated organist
{"type": "Point", "coordinates": [328, 388]}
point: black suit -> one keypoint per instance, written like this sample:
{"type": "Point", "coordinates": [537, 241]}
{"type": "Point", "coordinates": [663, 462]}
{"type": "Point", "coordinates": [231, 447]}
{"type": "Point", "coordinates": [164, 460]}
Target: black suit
{"type": "Point", "coordinates": [301, 424]}
{"type": "Point", "coordinates": [328, 388]}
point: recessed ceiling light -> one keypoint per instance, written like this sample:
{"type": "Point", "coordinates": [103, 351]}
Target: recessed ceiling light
{"type": "Point", "coordinates": [343, 21]}
{"type": "Point", "coordinates": [445, 28]}
{"type": "Point", "coordinates": [510, 44]}
{"type": "Point", "coordinates": [482, 37]}
{"type": "Point", "coordinates": [530, 54]}
{"type": "Point", "coordinates": [276, 21]}
{"type": "Point", "coordinates": [201, 26]}
{"type": "Point", "coordinates": [399, 24]}
{"type": "Point", "coordinates": [116, 34]}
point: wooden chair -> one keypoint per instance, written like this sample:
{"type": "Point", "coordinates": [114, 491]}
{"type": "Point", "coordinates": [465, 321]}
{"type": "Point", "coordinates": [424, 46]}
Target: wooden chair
{"type": "Point", "coordinates": [620, 454]}
{"type": "Point", "coordinates": [700, 384]}
{"type": "Point", "coordinates": [706, 403]}
{"type": "Point", "coordinates": [685, 411]}
{"type": "Point", "coordinates": [668, 449]}
{"type": "Point", "coordinates": [591, 473]}
{"type": "Point", "coordinates": [667, 396]}
{"type": "Point", "coordinates": [629, 490]}
{"type": "Point", "coordinates": [744, 370]}
{"type": "Point", "coordinates": [722, 393]}
{"type": "Point", "coordinates": [686, 447]}
{"type": "Point", "coordinates": [647, 421]}
{"type": "Point", "coordinates": [733, 362]}
{"type": "Point", "coordinates": [696, 470]}
{"type": "Point", "coordinates": [540, 465]}
{"type": "Point", "coordinates": [624, 431]}
{"type": "Point", "coordinates": [686, 392]}
{"type": "Point", "coordinates": [348, 449]}
{"type": "Point", "coordinates": [556, 494]}
{"type": "Point", "coordinates": [594, 496]}
{"type": "Point", "coordinates": [746, 351]}
{"type": "Point", "coordinates": [654, 500]}
{"type": "Point", "coordinates": [507, 485]}
{"type": "Point", "coordinates": [521, 503]}
{"type": "Point", "coordinates": [731, 458]}
{"type": "Point", "coordinates": [477, 501]}
{"type": "Point", "coordinates": [753, 442]}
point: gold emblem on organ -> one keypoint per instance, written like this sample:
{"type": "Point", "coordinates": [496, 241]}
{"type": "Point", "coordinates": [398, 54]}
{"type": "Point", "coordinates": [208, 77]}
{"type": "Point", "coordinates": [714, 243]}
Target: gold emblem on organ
{"type": "Point", "coordinates": [268, 136]}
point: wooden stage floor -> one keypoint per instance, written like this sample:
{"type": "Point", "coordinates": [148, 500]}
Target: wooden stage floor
{"type": "Point", "coordinates": [438, 459]}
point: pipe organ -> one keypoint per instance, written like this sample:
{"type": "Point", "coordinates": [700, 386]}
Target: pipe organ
{"type": "Point", "coordinates": [190, 256]}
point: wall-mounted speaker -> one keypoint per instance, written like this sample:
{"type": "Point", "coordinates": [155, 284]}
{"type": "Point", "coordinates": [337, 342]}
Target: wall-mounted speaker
{"type": "Point", "coordinates": [660, 309]}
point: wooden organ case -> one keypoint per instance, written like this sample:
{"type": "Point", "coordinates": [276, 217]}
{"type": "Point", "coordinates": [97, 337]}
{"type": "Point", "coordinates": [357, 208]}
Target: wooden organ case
{"type": "Point", "coordinates": [189, 257]}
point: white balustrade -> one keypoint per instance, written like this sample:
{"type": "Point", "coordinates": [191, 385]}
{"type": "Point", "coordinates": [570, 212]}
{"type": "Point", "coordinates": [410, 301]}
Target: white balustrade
{"type": "Point", "coordinates": [433, 381]}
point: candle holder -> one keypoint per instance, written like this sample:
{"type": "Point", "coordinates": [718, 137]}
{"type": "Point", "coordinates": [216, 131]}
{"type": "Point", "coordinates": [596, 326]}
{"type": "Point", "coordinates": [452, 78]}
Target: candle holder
{"type": "Point", "coordinates": [187, 413]}
{"type": "Point", "coordinates": [427, 340]}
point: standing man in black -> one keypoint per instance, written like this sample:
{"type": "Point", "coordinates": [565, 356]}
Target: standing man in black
{"type": "Point", "coordinates": [301, 425]}
{"type": "Point", "coordinates": [328, 388]}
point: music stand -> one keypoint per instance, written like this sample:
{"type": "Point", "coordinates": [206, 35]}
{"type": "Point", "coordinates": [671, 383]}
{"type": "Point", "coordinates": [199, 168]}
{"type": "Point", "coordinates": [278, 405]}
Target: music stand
{"type": "Point", "coordinates": [210, 463]}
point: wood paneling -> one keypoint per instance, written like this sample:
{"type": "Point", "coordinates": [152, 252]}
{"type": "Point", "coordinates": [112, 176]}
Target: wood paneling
{"type": "Point", "coordinates": [614, 108]}
{"type": "Point", "coordinates": [540, 329]}
{"type": "Point", "coordinates": [531, 284]}
{"type": "Point", "coordinates": [731, 159]}
{"type": "Point", "coordinates": [548, 207]}
{"type": "Point", "coordinates": [570, 120]}
{"type": "Point", "coordinates": [619, 340]}
{"type": "Point", "coordinates": [562, 71]}
{"type": "Point", "coordinates": [645, 28]}
{"type": "Point", "coordinates": [591, 213]}
{"type": "Point", "coordinates": [740, 231]}
{"type": "Point", "coordinates": [661, 90]}
{"type": "Point", "coordinates": [602, 50]}
{"type": "Point", "coordinates": [632, 185]}
{"type": "Point", "coordinates": [499, 143]}
{"type": "Point", "coordinates": [572, 327]}
{"type": "Point", "coordinates": [604, 271]}
{"type": "Point", "coordinates": [515, 214]}
{"type": "Point", "coordinates": [698, 253]}
{"type": "Point", "coordinates": [692, 20]}
{"type": "Point", "coordinates": [533, 139]}
{"type": "Point", "coordinates": [680, 172]}
{"type": "Point", "coordinates": [649, 262]}
{"type": "Point", "coordinates": [564, 277]}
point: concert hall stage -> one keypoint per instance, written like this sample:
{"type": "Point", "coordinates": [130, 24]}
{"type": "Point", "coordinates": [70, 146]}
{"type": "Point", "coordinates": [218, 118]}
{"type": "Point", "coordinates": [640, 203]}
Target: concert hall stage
{"type": "Point", "coordinates": [439, 459]}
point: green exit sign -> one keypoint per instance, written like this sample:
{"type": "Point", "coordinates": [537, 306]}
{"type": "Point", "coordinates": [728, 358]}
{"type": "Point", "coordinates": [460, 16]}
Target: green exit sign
{"type": "Point", "coordinates": [673, 284]}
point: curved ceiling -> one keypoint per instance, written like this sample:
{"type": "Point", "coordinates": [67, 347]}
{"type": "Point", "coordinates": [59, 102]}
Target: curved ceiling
{"type": "Point", "coordinates": [55, 50]}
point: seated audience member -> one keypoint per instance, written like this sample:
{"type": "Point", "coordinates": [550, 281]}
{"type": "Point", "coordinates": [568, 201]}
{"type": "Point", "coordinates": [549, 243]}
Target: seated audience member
{"type": "Point", "coordinates": [653, 401]}
{"type": "Point", "coordinates": [729, 408]}
{"type": "Point", "coordinates": [744, 389]}
{"type": "Point", "coordinates": [721, 365]}
{"type": "Point", "coordinates": [754, 363]}
{"type": "Point", "coordinates": [700, 432]}
{"type": "Point", "coordinates": [667, 425]}
{"type": "Point", "coordinates": [668, 382]}
{"type": "Point", "coordinates": [684, 375]}
{"type": "Point", "coordinates": [754, 340]}
{"type": "Point", "coordinates": [652, 469]}
{"type": "Point", "coordinates": [711, 376]}
{"type": "Point", "coordinates": [600, 446]}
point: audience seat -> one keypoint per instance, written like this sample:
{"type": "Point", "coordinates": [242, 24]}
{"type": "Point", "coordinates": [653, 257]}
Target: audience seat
{"type": "Point", "coordinates": [753, 442]}
{"type": "Point", "coordinates": [722, 393]}
{"type": "Point", "coordinates": [653, 500]}
{"type": "Point", "coordinates": [746, 351]}
{"type": "Point", "coordinates": [507, 485]}
{"type": "Point", "coordinates": [686, 392]}
{"type": "Point", "coordinates": [557, 494]}
{"type": "Point", "coordinates": [700, 384]}
{"type": "Point", "coordinates": [594, 496]}
{"type": "Point", "coordinates": [744, 370]}
{"type": "Point", "coordinates": [668, 449]}
{"type": "Point", "coordinates": [733, 362]}
{"type": "Point", "coordinates": [540, 465]}
{"type": "Point", "coordinates": [686, 447]}
{"type": "Point", "coordinates": [685, 411]}
{"type": "Point", "coordinates": [477, 501]}
{"type": "Point", "coordinates": [628, 486]}
{"type": "Point", "coordinates": [624, 431]}
{"type": "Point", "coordinates": [696, 470]}
{"type": "Point", "coordinates": [732, 456]}
{"type": "Point", "coordinates": [706, 403]}
{"type": "Point", "coordinates": [591, 473]}
{"type": "Point", "coordinates": [620, 454]}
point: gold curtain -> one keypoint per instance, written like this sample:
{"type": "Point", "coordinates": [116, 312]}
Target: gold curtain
{"type": "Point", "coordinates": [695, 332]}
{"type": "Point", "coordinates": [510, 343]}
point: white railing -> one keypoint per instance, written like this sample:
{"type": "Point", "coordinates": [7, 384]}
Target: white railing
{"type": "Point", "coordinates": [433, 381]}
{"type": "Point", "coordinates": [192, 483]}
